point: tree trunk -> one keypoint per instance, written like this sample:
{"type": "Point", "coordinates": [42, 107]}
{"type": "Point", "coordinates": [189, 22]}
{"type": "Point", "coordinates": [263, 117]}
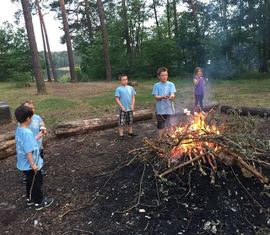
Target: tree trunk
{"type": "Point", "coordinates": [49, 51]}
{"type": "Point", "coordinates": [193, 7]}
{"type": "Point", "coordinates": [224, 10]}
{"type": "Point", "coordinates": [175, 20]}
{"type": "Point", "coordinates": [43, 41]}
{"type": "Point", "coordinates": [125, 27]}
{"type": "Point", "coordinates": [156, 18]}
{"type": "Point", "coordinates": [266, 36]}
{"type": "Point", "coordinates": [155, 13]}
{"type": "Point", "coordinates": [88, 21]}
{"type": "Point", "coordinates": [68, 42]}
{"type": "Point", "coordinates": [195, 15]}
{"type": "Point", "coordinates": [41, 88]}
{"type": "Point", "coordinates": [105, 40]}
{"type": "Point", "coordinates": [47, 44]}
{"type": "Point", "coordinates": [168, 14]}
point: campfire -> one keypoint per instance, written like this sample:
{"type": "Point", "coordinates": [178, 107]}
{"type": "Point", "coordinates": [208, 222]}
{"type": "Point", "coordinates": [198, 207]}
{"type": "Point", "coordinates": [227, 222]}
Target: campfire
{"type": "Point", "coordinates": [204, 140]}
{"type": "Point", "coordinates": [194, 138]}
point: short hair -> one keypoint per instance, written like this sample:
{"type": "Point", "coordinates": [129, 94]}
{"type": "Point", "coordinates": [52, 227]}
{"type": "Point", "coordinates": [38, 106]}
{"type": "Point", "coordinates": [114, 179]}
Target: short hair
{"type": "Point", "coordinates": [22, 113]}
{"type": "Point", "coordinates": [27, 102]}
{"type": "Point", "coordinates": [122, 75]}
{"type": "Point", "coordinates": [160, 70]}
{"type": "Point", "coordinates": [196, 70]}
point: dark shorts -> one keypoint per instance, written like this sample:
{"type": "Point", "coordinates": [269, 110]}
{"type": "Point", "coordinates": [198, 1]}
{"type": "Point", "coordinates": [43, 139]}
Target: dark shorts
{"type": "Point", "coordinates": [125, 118]}
{"type": "Point", "coordinates": [163, 121]}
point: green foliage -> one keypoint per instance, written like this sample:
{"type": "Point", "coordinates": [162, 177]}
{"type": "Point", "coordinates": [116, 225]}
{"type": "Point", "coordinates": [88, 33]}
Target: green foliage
{"type": "Point", "coordinates": [225, 38]}
{"type": "Point", "coordinates": [15, 63]}
{"type": "Point", "coordinates": [64, 79]}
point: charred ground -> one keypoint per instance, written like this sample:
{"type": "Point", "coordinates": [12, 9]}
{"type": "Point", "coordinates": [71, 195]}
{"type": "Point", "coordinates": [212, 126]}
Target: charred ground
{"type": "Point", "coordinates": [96, 191]}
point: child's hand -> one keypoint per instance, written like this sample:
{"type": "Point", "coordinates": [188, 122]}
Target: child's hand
{"type": "Point", "coordinates": [172, 96]}
{"type": "Point", "coordinates": [39, 135]}
{"type": "Point", "coordinates": [123, 109]}
{"type": "Point", "coordinates": [166, 97]}
{"type": "Point", "coordinates": [35, 168]}
{"type": "Point", "coordinates": [43, 130]}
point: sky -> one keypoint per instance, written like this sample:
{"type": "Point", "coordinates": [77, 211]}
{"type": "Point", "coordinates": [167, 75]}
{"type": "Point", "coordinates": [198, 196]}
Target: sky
{"type": "Point", "coordinates": [7, 11]}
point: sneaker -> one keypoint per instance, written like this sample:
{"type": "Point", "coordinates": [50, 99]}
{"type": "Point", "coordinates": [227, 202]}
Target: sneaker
{"type": "Point", "coordinates": [29, 202]}
{"type": "Point", "coordinates": [132, 134]}
{"type": "Point", "coordinates": [45, 203]}
{"type": "Point", "coordinates": [43, 173]}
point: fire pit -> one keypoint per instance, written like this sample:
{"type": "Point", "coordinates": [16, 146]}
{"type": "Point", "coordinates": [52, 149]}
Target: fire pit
{"type": "Point", "coordinates": [204, 140]}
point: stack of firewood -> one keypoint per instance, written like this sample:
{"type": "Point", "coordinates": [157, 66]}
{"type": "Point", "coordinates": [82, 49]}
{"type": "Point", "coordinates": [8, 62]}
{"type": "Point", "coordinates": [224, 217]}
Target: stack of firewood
{"type": "Point", "coordinates": [233, 140]}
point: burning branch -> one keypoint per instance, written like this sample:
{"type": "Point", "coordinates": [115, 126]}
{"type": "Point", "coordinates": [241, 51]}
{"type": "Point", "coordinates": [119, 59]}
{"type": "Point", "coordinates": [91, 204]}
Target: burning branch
{"type": "Point", "coordinates": [201, 142]}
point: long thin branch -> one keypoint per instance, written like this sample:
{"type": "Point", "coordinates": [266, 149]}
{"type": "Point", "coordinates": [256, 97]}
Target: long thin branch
{"type": "Point", "coordinates": [179, 166]}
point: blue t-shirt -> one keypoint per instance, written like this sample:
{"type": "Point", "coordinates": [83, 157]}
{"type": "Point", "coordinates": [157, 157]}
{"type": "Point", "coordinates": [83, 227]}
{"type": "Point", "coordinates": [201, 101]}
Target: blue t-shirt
{"type": "Point", "coordinates": [35, 127]}
{"type": "Point", "coordinates": [164, 106]}
{"type": "Point", "coordinates": [125, 94]}
{"type": "Point", "coordinates": [26, 143]}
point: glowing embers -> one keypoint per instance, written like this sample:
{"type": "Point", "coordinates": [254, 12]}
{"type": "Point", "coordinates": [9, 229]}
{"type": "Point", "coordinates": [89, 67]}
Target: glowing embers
{"type": "Point", "coordinates": [194, 137]}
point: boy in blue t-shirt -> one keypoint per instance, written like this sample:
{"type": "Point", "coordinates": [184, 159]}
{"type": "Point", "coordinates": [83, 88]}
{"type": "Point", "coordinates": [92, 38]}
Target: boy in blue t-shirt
{"type": "Point", "coordinates": [36, 126]}
{"type": "Point", "coordinates": [125, 98]}
{"type": "Point", "coordinates": [28, 158]}
{"type": "Point", "coordinates": [164, 93]}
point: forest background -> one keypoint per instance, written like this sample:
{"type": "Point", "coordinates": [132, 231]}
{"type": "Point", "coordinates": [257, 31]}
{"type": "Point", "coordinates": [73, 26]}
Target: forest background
{"type": "Point", "coordinates": [224, 37]}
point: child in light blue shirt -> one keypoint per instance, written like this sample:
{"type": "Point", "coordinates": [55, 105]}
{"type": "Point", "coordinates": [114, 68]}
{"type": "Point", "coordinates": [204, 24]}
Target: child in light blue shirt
{"type": "Point", "coordinates": [36, 126]}
{"type": "Point", "coordinates": [164, 93]}
{"type": "Point", "coordinates": [28, 158]}
{"type": "Point", "coordinates": [125, 98]}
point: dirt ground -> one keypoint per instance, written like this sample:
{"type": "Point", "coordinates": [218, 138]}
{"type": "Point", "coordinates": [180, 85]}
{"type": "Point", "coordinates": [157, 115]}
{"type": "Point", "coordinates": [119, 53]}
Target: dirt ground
{"type": "Point", "coordinates": [96, 191]}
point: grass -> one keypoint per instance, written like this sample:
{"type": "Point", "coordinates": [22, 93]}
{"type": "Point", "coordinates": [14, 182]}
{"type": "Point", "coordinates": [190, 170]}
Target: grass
{"type": "Point", "coordinates": [66, 101]}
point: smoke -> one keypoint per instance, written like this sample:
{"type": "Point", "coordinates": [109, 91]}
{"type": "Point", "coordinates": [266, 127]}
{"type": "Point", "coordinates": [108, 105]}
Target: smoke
{"type": "Point", "coordinates": [219, 69]}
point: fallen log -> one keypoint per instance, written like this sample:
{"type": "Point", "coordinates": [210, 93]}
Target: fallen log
{"type": "Point", "coordinates": [8, 136]}
{"type": "Point", "coordinates": [86, 126]}
{"type": "Point", "coordinates": [244, 111]}
{"type": "Point", "coordinates": [8, 152]}
{"type": "Point", "coordinates": [7, 145]}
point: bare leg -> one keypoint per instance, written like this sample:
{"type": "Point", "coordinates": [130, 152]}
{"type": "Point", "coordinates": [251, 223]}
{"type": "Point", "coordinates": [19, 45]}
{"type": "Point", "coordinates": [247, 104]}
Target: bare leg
{"type": "Point", "coordinates": [121, 131]}
{"type": "Point", "coordinates": [161, 133]}
{"type": "Point", "coordinates": [130, 129]}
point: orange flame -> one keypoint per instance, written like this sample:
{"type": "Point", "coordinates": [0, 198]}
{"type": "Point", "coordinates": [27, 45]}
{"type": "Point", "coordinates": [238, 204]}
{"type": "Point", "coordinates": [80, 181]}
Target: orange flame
{"type": "Point", "coordinates": [190, 137]}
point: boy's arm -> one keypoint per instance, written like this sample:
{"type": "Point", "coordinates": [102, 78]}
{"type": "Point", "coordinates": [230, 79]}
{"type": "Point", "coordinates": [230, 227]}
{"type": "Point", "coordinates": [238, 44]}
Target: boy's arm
{"type": "Point", "coordinates": [158, 97]}
{"type": "Point", "coordinates": [132, 103]}
{"type": "Point", "coordinates": [119, 103]}
{"type": "Point", "coordinates": [173, 91]}
{"type": "Point", "coordinates": [172, 96]}
{"type": "Point", "coordinates": [31, 161]}
{"type": "Point", "coordinates": [161, 97]}
{"type": "Point", "coordinates": [39, 135]}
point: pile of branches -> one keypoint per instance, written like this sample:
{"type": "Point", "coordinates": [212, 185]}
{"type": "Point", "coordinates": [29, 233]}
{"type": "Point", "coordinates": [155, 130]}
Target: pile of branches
{"type": "Point", "coordinates": [239, 141]}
